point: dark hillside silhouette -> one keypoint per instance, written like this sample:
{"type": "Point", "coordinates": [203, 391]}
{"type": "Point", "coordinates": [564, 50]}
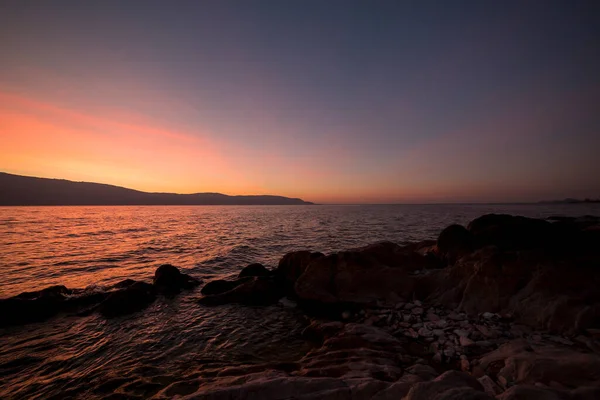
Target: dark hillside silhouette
{"type": "Point", "coordinates": [16, 190]}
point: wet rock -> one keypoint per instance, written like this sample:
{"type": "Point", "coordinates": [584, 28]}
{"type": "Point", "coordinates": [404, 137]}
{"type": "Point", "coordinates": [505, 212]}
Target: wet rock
{"type": "Point", "coordinates": [168, 278]}
{"type": "Point", "coordinates": [134, 298]}
{"type": "Point", "coordinates": [257, 290]}
{"type": "Point", "coordinates": [255, 269]}
{"type": "Point", "coordinates": [39, 305]}
{"type": "Point", "coordinates": [221, 286]}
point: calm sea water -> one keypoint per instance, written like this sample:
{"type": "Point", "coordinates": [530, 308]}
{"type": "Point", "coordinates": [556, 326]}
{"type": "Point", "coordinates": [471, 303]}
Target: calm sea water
{"type": "Point", "coordinates": [175, 339]}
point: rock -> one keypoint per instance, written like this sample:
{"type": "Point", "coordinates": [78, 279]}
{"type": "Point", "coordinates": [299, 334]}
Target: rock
{"type": "Point", "coordinates": [464, 365]}
{"type": "Point", "coordinates": [489, 386]}
{"type": "Point", "coordinates": [424, 332]}
{"type": "Point", "coordinates": [255, 269]}
{"type": "Point", "coordinates": [449, 351]}
{"type": "Point", "coordinates": [525, 363]}
{"type": "Point", "coordinates": [221, 286]}
{"type": "Point", "coordinates": [449, 385]}
{"type": "Point", "coordinates": [291, 266]}
{"type": "Point", "coordinates": [32, 306]}
{"type": "Point", "coordinates": [168, 278]}
{"type": "Point", "coordinates": [409, 306]}
{"type": "Point", "coordinates": [134, 298]}
{"type": "Point", "coordinates": [586, 393]}
{"type": "Point", "coordinates": [258, 290]}
{"type": "Point", "coordinates": [424, 372]}
{"type": "Point", "coordinates": [352, 277]}
{"type": "Point", "coordinates": [510, 232]}
{"type": "Point", "coordinates": [453, 242]}
{"type": "Point", "coordinates": [410, 332]}
{"type": "Point", "coordinates": [527, 392]}
{"type": "Point", "coordinates": [39, 305]}
{"type": "Point", "coordinates": [318, 331]}
{"type": "Point", "coordinates": [287, 302]}
{"type": "Point", "coordinates": [558, 339]}
{"type": "Point", "coordinates": [460, 332]}
{"type": "Point", "coordinates": [466, 342]}
{"type": "Point", "coordinates": [542, 289]}
{"type": "Point", "coordinates": [417, 311]}
{"type": "Point", "coordinates": [487, 332]}
{"type": "Point", "coordinates": [442, 323]}
{"type": "Point", "coordinates": [432, 317]}
{"type": "Point", "coordinates": [438, 332]}
{"type": "Point", "coordinates": [503, 381]}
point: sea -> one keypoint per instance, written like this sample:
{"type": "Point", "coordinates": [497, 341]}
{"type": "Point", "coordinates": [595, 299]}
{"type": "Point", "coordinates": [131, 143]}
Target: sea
{"type": "Point", "coordinates": [176, 341]}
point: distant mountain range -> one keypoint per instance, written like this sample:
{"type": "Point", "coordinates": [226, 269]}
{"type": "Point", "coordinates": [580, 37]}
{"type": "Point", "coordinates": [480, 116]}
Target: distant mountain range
{"type": "Point", "coordinates": [570, 201]}
{"type": "Point", "coordinates": [17, 190]}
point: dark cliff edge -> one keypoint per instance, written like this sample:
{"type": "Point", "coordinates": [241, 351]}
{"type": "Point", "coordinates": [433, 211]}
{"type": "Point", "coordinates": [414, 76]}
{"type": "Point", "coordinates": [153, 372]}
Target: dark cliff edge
{"type": "Point", "coordinates": [16, 190]}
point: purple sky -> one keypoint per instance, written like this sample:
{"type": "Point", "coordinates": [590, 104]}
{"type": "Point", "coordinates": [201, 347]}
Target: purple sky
{"type": "Point", "coordinates": [331, 101]}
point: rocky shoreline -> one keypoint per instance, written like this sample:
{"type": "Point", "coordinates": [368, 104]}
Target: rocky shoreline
{"type": "Point", "coordinates": [507, 307]}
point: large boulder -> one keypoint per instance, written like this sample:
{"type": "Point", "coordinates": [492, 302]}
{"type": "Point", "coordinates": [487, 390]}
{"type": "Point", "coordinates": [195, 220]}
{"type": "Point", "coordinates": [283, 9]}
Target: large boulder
{"type": "Point", "coordinates": [541, 282]}
{"type": "Point", "coordinates": [409, 258]}
{"type": "Point", "coordinates": [255, 269]}
{"type": "Point", "coordinates": [134, 298]}
{"type": "Point", "coordinates": [511, 232]}
{"type": "Point", "coordinates": [454, 242]}
{"type": "Point", "coordinates": [256, 290]}
{"type": "Point", "coordinates": [352, 277]}
{"type": "Point", "coordinates": [168, 278]}
{"type": "Point", "coordinates": [291, 266]}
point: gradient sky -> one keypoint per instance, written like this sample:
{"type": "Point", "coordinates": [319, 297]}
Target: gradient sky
{"type": "Point", "coordinates": [331, 101]}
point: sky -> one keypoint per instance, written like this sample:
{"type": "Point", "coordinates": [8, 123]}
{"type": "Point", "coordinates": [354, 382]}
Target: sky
{"type": "Point", "coordinates": [330, 101]}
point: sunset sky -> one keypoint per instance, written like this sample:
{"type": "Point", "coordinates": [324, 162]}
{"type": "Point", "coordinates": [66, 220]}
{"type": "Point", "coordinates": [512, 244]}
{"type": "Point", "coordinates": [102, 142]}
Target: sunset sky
{"type": "Point", "coordinates": [330, 101]}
